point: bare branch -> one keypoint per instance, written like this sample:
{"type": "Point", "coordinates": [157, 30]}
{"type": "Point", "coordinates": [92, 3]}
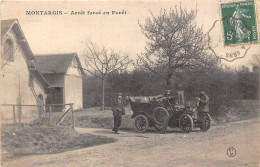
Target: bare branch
{"type": "Point", "coordinates": [174, 42]}
{"type": "Point", "coordinates": [104, 61]}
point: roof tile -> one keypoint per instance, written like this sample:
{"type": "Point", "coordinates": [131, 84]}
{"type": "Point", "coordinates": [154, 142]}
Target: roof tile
{"type": "Point", "coordinates": [54, 63]}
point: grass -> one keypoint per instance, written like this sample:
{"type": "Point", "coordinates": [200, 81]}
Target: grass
{"type": "Point", "coordinates": [233, 111]}
{"type": "Point", "coordinates": [26, 140]}
{"type": "Point", "coordinates": [94, 118]}
{"type": "Point", "coordinates": [236, 110]}
{"type": "Point", "coordinates": [102, 119]}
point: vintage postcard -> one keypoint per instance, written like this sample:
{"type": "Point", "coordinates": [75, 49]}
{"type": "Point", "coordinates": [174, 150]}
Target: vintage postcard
{"type": "Point", "coordinates": [130, 83]}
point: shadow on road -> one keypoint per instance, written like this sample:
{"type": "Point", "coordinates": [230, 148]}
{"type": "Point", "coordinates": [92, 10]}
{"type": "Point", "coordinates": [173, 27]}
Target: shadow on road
{"type": "Point", "coordinates": [149, 131]}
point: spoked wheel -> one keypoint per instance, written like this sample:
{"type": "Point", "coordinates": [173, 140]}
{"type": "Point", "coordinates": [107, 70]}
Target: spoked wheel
{"type": "Point", "coordinates": [141, 123]}
{"type": "Point", "coordinates": [205, 123]}
{"type": "Point", "coordinates": [160, 116]}
{"type": "Point", "coordinates": [186, 123]}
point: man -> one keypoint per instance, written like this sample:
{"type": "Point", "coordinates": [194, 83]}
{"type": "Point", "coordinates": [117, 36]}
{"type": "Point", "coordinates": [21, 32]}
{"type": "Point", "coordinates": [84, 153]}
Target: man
{"type": "Point", "coordinates": [203, 102]}
{"type": "Point", "coordinates": [168, 97]}
{"type": "Point", "coordinates": [167, 93]}
{"type": "Point", "coordinates": [118, 111]}
{"type": "Point", "coordinates": [203, 106]}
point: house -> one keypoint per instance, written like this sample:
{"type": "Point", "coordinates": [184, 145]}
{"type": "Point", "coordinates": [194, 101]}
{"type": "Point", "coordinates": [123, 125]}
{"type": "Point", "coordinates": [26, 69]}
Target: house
{"type": "Point", "coordinates": [20, 81]}
{"type": "Point", "coordinates": [64, 74]}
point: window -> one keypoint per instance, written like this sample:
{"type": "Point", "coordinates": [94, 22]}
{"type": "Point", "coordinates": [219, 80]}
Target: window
{"type": "Point", "coordinates": [8, 51]}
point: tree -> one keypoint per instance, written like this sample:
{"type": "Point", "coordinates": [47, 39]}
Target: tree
{"type": "Point", "coordinates": [175, 43]}
{"type": "Point", "coordinates": [102, 62]}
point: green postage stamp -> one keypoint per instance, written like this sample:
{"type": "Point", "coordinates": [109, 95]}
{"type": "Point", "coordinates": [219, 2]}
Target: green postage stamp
{"type": "Point", "coordinates": [239, 22]}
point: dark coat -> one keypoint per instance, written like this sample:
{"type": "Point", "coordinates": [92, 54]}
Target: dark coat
{"type": "Point", "coordinates": [204, 103]}
{"type": "Point", "coordinates": [170, 97]}
{"type": "Point", "coordinates": [118, 109]}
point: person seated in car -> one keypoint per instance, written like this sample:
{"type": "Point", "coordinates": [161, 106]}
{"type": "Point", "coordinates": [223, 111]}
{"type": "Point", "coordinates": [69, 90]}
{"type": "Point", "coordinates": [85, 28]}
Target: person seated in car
{"type": "Point", "coordinates": [169, 96]}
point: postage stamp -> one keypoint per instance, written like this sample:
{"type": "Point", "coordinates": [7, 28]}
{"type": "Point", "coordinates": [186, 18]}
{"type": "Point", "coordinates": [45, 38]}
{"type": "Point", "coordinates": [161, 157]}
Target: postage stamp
{"type": "Point", "coordinates": [239, 22]}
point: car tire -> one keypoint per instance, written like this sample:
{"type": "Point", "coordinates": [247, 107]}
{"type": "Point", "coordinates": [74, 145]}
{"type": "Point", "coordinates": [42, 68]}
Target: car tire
{"type": "Point", "coordinates": [141, 123]}
{"type": "Point", "coordinates": [160, 116]}
{"type": "Point", "coordinates": [186, 123]}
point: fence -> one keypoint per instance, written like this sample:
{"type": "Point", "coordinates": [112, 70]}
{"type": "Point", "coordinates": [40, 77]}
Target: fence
{"type": "Point", "coordinates": [36, 114]}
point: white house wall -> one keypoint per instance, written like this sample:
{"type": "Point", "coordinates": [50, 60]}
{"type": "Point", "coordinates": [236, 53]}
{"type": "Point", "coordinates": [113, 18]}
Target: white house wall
{"type": "Point", "coordinates": [14, 85]}
{"type": "Point", "coordinates": [73, 91]}
{"type": "Point", "coordinates": [39, 89]}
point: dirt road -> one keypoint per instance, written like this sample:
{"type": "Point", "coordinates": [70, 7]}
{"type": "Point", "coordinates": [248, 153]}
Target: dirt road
{"type": "Point", "coordinates": [152, 149]}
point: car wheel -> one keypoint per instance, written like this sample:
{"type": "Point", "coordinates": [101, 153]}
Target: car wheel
{"type": "Point", "coordinates": [186, 123]}
{"type": "Point", "coordinates": [160, 116]}
{"type": "Point", "coordinates": [141, 123]}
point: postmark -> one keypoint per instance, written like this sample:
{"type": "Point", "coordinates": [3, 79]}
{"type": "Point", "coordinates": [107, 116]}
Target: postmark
{"type": "Point", "coordinates": [239, 23]}
{"type": "Point", "coordinates": [219, 50]}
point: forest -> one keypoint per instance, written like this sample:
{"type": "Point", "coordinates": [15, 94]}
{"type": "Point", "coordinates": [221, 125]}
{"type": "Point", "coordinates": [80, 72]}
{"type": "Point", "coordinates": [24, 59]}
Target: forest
{"type": "Point", "coordinates": [222, 84]}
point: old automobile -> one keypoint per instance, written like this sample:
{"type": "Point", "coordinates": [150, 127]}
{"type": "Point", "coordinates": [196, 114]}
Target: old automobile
{"type": "Point", "coordinates": [154, 111]}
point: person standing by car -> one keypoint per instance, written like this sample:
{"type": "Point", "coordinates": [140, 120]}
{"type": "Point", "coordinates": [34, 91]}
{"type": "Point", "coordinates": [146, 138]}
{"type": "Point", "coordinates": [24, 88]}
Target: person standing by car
{"type": "Point", "coordinates": [203, 106]}
{"type": "Point", "coordinates": [203, 111]}
{"type": "Point", "coordinates": [118, 111]}
{"type": "Point", "coordinates": [203, 100]}
{"type": "Point", "coordinates": [169, 98]}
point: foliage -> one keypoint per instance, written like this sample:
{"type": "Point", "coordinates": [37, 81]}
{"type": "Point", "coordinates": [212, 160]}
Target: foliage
{"type": "Point", "coordinates": [221, 84]}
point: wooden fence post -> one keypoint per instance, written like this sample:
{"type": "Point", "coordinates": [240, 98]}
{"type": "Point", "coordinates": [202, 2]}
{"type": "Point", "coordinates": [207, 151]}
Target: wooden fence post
{"type": "Point", "coordinates": [45, 111]}
{"type": "Point", "coordinates": [50, 118]}
{"type": "Point", "coordinates": [14, 114]}
{"type": "Point", "coordinates": [72, 112]}
{"type": "Point", "coordinates": [20, 113]}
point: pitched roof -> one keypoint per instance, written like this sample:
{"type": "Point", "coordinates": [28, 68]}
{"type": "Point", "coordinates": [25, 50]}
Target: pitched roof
{"type": "Point", "coordinates": [41, 78]}
{"type": "Point", "coordinates": [6, 25]}
{"type": "Point", "coordinates": [55, 63]}
{"type": "Point", "coordinates": [13, 24]}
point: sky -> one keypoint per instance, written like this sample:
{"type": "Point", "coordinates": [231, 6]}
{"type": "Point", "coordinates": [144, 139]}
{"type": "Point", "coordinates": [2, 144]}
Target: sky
{"type": "Point", "coordinates": [69, 33]}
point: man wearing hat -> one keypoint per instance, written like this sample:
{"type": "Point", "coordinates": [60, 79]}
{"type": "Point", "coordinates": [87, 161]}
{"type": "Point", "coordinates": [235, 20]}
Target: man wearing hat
{"type": "Point", "coordinates": [203, 101]}
{"type": "Point", "coordinates": [169, 96]}
{"type": "Point", "coordinates": [118, 111]}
